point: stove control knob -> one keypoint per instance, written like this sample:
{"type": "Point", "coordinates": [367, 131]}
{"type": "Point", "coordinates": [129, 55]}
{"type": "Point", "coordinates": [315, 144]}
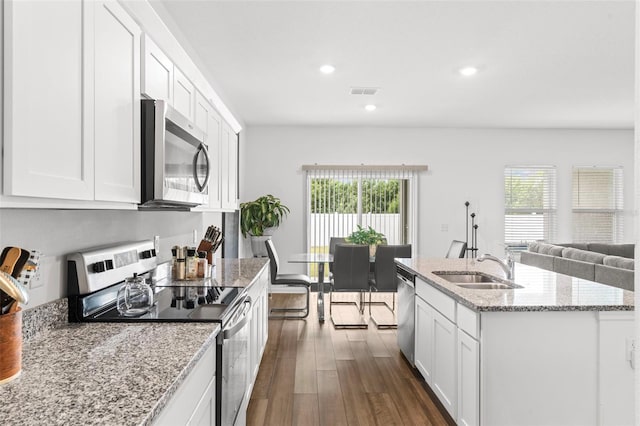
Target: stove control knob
{"type": "Point", "coordinates": [98, 267]}
{"type": "Point", "coordinates": [145, 254]}
{"type": "Point", "coordinates": [153, 252]}
{"type": "Point", "coordinates": [109, 264]}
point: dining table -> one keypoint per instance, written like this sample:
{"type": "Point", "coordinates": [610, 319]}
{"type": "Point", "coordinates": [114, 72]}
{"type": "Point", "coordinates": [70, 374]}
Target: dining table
{"type": "Point", "coordinates": [320, 259]}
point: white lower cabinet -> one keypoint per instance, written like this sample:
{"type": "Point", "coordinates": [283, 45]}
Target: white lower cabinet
{"type": "Point", "coordinates": [259, 326]}
{"type": "Point", "coordinates": [616, 351]}
{"type": "Point", "coordinates": [424, 339]}
{"type": "Point", "coordinates": [444, 376]}
{"type": "Point", "coordinates": [194, 401]}
{"type": "Point", "coordinates": [468, 379]}
{"type": "Point", "coordinates": [435, 353]}
{"type": "Point", "coordinates": [492, 367]}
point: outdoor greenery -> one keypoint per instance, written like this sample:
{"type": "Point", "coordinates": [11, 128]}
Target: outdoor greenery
{"type": "Point", "coordinates": [265, 212]}
{"type": "Point", "coordinates": [341, 196]}
{"type": "Point", "coordinates": [524, 192]}
{"type": "Point", "coordinates": [367, 236]}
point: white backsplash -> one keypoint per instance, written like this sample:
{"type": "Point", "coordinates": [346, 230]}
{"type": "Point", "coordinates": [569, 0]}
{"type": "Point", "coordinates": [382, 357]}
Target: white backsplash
{"type": "Point", "coordinates": [59, 232]}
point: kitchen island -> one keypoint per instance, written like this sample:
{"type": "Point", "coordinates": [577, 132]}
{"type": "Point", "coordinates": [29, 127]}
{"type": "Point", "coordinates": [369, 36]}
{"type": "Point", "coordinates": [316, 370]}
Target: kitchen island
{"type": "Point", "coordinates": [123, 373]}
{"type": "Point", "coordinates": [555, 350]}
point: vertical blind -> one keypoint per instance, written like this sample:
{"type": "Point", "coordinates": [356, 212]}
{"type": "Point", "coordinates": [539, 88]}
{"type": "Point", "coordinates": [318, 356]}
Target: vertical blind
{"type": "Point", "coordinates": [341, 198]}
{"type": "Point", "coordinates": [597, 204]}
{"type": "Point", "coordinates": [530, 204]}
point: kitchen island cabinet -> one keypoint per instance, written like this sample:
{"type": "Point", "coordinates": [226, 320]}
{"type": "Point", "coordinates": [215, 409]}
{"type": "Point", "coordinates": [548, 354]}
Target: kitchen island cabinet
{"type": "Point", "coordinates": [557, 350]}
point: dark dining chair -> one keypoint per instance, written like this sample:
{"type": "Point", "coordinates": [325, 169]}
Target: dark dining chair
{"type": "Point", "coordinates": [384, 277]}
{"type": "Point", "coordinates": [350, 274]}
{"type": "Point", "coordinates": [457, 249]}
{"type": "Point", "coordinates": [333, 241]}
{"type": "Point", "coordinates": [291, 280]}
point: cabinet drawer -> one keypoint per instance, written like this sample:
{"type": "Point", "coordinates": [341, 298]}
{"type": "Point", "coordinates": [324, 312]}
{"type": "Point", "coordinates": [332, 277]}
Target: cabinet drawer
{"type": "Point", "coordinates": [468, 321]}
{"type": "Point", "coordinates": [443, 303]}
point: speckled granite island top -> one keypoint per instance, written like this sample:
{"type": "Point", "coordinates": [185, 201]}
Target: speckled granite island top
{"type": "Point", "coordinates": [107, 374]}
{"type": "Point", "coordinates": [541, 290]}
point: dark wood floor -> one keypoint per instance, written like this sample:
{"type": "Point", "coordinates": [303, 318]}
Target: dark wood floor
{"type": "Point", "coordinates": [314, 374]}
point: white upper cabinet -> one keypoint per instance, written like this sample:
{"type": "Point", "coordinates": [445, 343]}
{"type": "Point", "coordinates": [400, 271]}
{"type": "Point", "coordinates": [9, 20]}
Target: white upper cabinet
{"type": "Point", "coordinates": [157, 72]}
{"type": "Point", "coordinates": [229, 168]}
{"type": "Point", "coordinates": [117, 104]}
{"type": "Point", "coordinates": [208, 119]}
{"type": "Point", "coordinates": [183, 94]}
{"type": "Point", "coordinates": [48, 147]}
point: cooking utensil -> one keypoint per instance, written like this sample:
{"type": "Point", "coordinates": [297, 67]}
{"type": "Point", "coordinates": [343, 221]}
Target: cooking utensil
{"type": "Point", "coordinates": [13, 258]}
{"type": "Point", "coordinates": [13, 288]}
{"type": "Point", "coordinates": [14, 261]}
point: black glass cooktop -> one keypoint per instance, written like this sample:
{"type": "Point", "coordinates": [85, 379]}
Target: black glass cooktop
{"type": "Point", "coordinates": [179, 304]}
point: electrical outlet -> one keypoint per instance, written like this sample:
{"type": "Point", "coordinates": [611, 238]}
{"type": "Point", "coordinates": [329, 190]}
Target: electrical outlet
{"type": "Point", "coordinates": [195, 236]}
{"type": "Point", "coordinates": [444, 227]}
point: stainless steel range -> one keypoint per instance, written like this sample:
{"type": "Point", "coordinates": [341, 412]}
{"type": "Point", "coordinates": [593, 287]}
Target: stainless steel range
{"type": "Point", "coordinates": [95, 277]}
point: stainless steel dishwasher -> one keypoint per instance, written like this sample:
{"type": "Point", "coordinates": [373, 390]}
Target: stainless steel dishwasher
{"type": "Point", "coordinates": [406, 312]}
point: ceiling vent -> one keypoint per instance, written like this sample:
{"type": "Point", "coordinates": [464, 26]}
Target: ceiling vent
{"type": "Point", "coordinates": [364, 90]}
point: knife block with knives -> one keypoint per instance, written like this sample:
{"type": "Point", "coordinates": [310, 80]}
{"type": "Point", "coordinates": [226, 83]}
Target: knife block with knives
{"type": "Point", "coordinates": [211, 241]}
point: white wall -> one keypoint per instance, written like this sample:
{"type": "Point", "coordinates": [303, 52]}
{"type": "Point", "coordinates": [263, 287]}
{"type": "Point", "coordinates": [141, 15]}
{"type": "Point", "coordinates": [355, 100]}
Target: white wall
{"type": "Point", "coordinates": [464, 165]}
{"type": "Point", "coordinates": [57, 233]}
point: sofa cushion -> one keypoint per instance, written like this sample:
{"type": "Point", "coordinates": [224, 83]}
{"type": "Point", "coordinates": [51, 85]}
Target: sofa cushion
{"type": "Point", "coordinates": [574, 268]}
{"type": "Point", "coordinates": [619, 262]}
{"type": "Point", "coordinates": [582, 255]}
{"type": "Point", "coordinates": [538, 260]}
{"type": "Point", "coordinates": [622, 250]}
{"type": "Point", "coordinates": [550, 249]}
{"type": "Point", "coordinates": [533, 247]}
{"type": "Point", "coordinates": [581, 246]}
{"type": "Point", "coordinates": [616, 277]}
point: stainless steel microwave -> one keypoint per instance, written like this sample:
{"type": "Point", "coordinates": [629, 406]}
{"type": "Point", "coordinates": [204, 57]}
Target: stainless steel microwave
{"type": "Point", "coordinates": [175, 161]}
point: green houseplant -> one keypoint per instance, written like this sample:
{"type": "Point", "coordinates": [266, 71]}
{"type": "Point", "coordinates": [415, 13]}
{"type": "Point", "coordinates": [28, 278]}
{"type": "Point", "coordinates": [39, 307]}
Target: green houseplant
{"type": "Point", "coordinates": [368, 236]}
{"type": "Point", "coordinates": [258, 218]}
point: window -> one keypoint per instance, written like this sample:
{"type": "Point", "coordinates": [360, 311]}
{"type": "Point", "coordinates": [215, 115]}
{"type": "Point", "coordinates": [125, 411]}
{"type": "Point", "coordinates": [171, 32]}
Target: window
{"type": "Point", "coordinates": [341, 198]}
{"type": "Point", "coordinates": [597, 204]}
{"type": "Point", "coordinates": [529, 204]}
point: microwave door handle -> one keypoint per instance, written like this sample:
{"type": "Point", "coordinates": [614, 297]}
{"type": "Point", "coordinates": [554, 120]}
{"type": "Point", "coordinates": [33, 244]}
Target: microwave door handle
{"type": "Point", "coordinates": [201, 187]}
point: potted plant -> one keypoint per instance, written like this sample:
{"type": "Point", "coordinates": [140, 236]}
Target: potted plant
{"type": "Point", "coordinates": [369, 237]}
{"type": "Point", "coordinates": [258, 219]}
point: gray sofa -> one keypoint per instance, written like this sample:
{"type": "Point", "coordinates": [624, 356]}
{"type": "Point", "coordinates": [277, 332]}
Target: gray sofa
{"type": "Point", "coordinates": [611, 264]}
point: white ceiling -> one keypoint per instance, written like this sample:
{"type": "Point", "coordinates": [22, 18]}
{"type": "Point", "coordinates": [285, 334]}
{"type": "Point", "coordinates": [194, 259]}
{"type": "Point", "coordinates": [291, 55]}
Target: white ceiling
{"type": "Point", "coordinates": [543, 64]}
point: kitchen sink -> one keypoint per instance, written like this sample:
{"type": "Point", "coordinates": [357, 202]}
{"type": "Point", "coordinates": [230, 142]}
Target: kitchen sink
{"type": "Point", "coordinates": [476, 280]}
{"type": "Point", "coordinates": [488, 286]}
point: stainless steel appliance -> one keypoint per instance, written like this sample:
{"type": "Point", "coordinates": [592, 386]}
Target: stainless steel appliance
{"type": "Point", "coordinates": [95, 276]}
{"type": "Point", "coordinates": [406, 313]}
{"type": "Point", "coordinates": [175, 162]}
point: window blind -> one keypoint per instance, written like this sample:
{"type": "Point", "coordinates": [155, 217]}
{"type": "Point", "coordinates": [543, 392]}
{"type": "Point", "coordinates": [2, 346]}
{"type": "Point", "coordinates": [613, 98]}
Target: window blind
{"type": "Point", "coordinates": [339, 198]}
{"type": "Point", "coordinates": [597, 204]}
{"type": "Point", "coordinates": [530, 204]}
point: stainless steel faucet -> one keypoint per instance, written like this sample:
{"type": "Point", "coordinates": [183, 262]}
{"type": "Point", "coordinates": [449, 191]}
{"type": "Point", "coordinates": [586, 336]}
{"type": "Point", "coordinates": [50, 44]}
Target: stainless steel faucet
{"type": "Point", "coordinates": [507, 265]}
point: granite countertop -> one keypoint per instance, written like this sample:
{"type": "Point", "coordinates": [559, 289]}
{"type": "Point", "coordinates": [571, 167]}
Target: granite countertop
{"type": "Point", "coordinates": [117, 374]}
{"type": "Point", "coordinates": [107, 373]}
{"type": "Point", "coordinates": [541, 290]}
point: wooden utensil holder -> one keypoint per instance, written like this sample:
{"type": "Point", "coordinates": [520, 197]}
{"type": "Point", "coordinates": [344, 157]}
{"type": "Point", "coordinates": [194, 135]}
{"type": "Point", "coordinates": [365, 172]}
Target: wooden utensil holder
{"type": "Point", "coordinates": [10, 346]}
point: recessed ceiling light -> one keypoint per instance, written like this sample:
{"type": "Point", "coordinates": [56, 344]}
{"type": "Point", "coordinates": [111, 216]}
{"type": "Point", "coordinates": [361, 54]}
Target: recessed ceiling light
{"type": "Point", "coordinates": [370, 107]}
{"type": "Point", "coordinates": [327, 69]}
{"type": "Point", "coordinates": [468, 71]}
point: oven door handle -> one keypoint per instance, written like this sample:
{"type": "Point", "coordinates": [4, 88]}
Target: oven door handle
{"type": "Point", "coordinates": [202, 148]}
{"type": "Point", "coordinates": [228, 333]}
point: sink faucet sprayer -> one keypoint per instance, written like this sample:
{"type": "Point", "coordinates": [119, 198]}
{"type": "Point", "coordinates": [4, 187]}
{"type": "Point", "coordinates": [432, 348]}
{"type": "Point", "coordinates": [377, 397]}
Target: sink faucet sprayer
{"type": "Point", "coordinates": [507, 266]}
